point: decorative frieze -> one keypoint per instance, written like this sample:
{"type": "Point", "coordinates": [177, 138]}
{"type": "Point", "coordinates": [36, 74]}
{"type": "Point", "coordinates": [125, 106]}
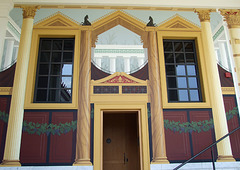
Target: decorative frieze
{"type": "Point", "coordinates": [203, 14]}
{"type": "Point", "coordinates": [29, 11]}
{"type": "Point", "coordinates": [232, 17]}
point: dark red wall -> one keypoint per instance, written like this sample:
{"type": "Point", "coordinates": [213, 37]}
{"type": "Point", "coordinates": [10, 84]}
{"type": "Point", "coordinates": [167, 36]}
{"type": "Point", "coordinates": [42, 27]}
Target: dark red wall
{"type": "Point", "coordinates": [48, 149]}
{"type": "Point", "coordinates": [230, 103]}
{"type": "Point", "coordinates": [4, 107]}
{"type": "Point", "coordinates": [182, 146]}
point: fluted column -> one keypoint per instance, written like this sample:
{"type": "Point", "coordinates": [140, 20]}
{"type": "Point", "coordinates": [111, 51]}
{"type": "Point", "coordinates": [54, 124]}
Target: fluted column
{"type": "Point", "coordinates": [232, 17]}
{"type": "Point", "coordinates": [83, 120]}
{"type": "Point", "coordinates": [9, 53]}
{"type": "Point", "coordinates": [158, 135]}
{"type": "Point", "coordinates": [14, 130]}
{"type": "Point", "coordinates": [218, 110]}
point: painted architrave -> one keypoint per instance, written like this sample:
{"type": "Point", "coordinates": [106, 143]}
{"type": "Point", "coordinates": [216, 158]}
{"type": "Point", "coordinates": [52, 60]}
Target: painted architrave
{"type": "Point", "coordinates": [184, 30]}
{"type": "Point", "coordinates": [118, 18]}
{"type": "Point", "coordinates": [57, 26]}
{"type": "Point", "coordinates": [123, 106]}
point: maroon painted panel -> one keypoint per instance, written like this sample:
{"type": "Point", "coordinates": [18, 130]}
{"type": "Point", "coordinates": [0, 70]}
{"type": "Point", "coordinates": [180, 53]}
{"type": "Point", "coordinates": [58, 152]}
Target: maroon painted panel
{"type": "Point", "coordinates": [177, 145]}
{"type": "Point", "coordinates": [4, 107]}
{"type": "Point", "coordinates": [230, 103]}
{"type": "Point", "coordinates": [62, 148]}
{"type": "Point", "coordinates": [33, 146]}
{"type": "Point", "coordinates": [203, 139]}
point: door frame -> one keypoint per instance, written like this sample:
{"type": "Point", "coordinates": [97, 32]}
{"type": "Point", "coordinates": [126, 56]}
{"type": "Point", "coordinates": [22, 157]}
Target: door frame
{"type": "Point", "coordinates": [141, 109]}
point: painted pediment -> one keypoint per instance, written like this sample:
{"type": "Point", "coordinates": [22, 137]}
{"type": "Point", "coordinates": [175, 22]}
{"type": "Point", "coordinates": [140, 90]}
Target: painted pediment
{"type": "Point", "coordinates": [57, 21]}
{"type": "Point", "coordinates": [178, 23]}
{"type": "Point", "coordinates": [119, 78]}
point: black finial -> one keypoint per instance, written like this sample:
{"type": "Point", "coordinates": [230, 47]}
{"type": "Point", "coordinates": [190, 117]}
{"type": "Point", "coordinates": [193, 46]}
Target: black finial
{"type": "Point", "coordinates": [150, 23]}
{"type": "Point", "coordinates": [86, 22]}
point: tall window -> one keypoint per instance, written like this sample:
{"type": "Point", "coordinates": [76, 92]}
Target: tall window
{"type": "Point", "coordinates": [54, 71]}
{"type": "Point", "coordinates": [182, 73]}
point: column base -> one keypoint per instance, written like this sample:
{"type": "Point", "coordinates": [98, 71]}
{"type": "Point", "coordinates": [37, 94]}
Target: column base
{"type": "Point", "coordinates": [160, 160]}
{"type": "Point", "coordinates": [10, 163]}
{"type": "Point", "coordinates": [225, 158]}
{"type": "Point", "coordinates": [82, 162]}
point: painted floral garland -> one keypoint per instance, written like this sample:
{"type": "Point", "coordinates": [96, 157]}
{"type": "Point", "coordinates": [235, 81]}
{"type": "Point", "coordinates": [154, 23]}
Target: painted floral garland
{"type": "Point", "coordinates": [63, 128]}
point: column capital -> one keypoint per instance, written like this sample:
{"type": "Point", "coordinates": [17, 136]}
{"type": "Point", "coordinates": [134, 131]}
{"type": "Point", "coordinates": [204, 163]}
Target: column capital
{"type": "Point", "coordinates": [232, 17]}
{"type": "Point", "coordinates": [203, 14]}
{"type": "Point", "coordinates": [29, 11]}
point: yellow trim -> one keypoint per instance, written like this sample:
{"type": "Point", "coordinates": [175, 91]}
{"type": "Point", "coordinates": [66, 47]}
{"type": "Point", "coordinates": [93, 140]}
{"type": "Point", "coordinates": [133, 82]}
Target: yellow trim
{"type": "Point", "coordinates": [141, 108]}
{"type": "Point", "coordinates": [228, 90]}
{"type": "Point", "coordinates": [5, 90]}
{"type": "Point", "coordinates": [201, 65]}
{"type": "Point", "coordinates": [52, 33]}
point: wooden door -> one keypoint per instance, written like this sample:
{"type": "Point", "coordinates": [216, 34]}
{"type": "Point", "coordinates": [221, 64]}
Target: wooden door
{"type": "Point", "coordinates": [120, 141]}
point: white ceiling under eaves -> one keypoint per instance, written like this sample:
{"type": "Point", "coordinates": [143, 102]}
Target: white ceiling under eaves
{"type": "Point", "coordinates": [144, 3]}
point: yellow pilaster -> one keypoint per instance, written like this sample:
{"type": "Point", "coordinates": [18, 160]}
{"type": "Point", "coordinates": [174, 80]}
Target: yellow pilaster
{"type": "Point", "coordinates": [219, 116]}
{"type": "Point", "coordinates": [14, 130]}
{"type": "Point", "coordinates": [158, 135]}
{"type": "Point", "coordinates": [83, 121]}
{"type": "Point", "coordinates": [232, 17]}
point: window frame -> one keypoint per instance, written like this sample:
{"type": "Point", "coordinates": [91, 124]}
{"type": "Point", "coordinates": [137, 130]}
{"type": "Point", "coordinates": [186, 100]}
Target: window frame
{"type": "Point", "coordinates": [183, 35]}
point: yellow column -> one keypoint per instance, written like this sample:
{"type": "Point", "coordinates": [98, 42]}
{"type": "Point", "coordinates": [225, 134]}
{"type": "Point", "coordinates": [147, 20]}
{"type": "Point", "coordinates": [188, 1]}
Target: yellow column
{"type": "Point", "coordinates": [14, 130]}
{"type": "Point", "coordinates": [232, 17]}
{"type": "Point", "coordinates": [219, 116]}
{"type": "Point", "coordinates": [83, 120]}
{"type": "Point", "coordinates": [158, 135]}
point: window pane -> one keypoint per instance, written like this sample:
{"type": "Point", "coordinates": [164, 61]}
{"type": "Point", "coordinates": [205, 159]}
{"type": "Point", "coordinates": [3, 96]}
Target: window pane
{"type": "Point", "coordinates": [168, 47]}
{"type": "Point", "coordinates": [67, 69]}
{"type": "Point", "coordinates": [53, 95]}
{"type": "Point", "coordinates": [191, 70]}
{"type": "Point", "coordinates": [55, 69]}
{"type": "Point", "coordinates": [55, 82]}
{"type": "Point", "coordinates": [188, 46]}
{"type": "Point", "coordinates": [180, 70]}
{"type": "Point", "coordinates": [41, 95]}
{"type": "Point", "coordinates": [66, 82]}
{"type": "Point", "coordinates": [183, 95]}
{"type": "Point", "coordinates": [170, 70]}
{"type": "Point", "coordinates": [42, 82]}
{"type": "Point", "coordinates": [46, 45]}
{"type": "Point", "coordinates": [190, 58]}
{"type": "Point", "coordinates": [172, 95]}
{"type": "Point", "coordinates": [67, 57]}
{"type": "Point", "coordinates": [169, 58]}
{"type": "Point", "coordinates": [179, 58]}
{"type": "Point", "coordinates": [45, 57]}
{"type": "Point", "coordinates": [56, 56]}
{"type": "Point", "coordinates": [68, 45]}
{"type": "Point", "coordinates": [66, 95]}
{"type": "Point", "coordinates": [182, 82]}
{"type": "Point", "coordinates": [43, 69]}
{"type": "Point", "coordinates": [178, 46]}
{"type": "Point", "coordinates": [57, 44]}
{"type": "Point", "coordinates": [172, 82]}
{"type": "Point", "coordinates": [192, 82]}
{"type": "Point", "coordinates": [194, 95]}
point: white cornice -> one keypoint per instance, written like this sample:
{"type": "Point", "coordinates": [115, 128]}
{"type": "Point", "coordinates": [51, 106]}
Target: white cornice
{"type": "Point", "coordinates": [141, 3]}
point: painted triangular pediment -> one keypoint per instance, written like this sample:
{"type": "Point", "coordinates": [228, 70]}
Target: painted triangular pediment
{"type": "Point", "coordinates": [178, 23]}
{"type": "Point", "coordinates": [57, 20]}
{"type": "Point", "coordinates": [119, 78]}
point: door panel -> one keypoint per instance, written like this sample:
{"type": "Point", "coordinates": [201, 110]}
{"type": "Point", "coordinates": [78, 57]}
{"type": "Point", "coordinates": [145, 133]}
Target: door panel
{"type": "Point", "coordinates": [120, 142]}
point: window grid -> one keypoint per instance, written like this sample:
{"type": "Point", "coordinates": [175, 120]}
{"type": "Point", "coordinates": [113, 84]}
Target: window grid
{"type": "Point", "coordinates": [54, 71]}
{"type": "Point", "coordinates": [182, 74]}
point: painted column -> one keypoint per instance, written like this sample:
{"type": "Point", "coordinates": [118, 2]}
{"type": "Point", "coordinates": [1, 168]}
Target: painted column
{"type": "Point", "coordinates": [9, 53]}
{"type": "Point", "coordinates": [83, 118]}
{"type": "Point", "coordinates": [14, 130]}
{"type": "Point", "coordinates": [127, 64]}
{"type": "Point", "coordinates": [223, 53]}
{"type": "Point", "coordinates": [5, 7]}
{"type": "Point", "coordinates": [113, 65]}
{"type": "Point", "coordinates": [158, 135]}
{"type": "Point", "coordinates": [219, 115]}
{"type": "Point", "coordinates": [99, 62]}
{"type": "Point", "coordinates": [232, 17]}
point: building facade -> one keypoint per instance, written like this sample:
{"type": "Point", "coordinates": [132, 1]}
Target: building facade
{"type": "Point", "coordinates": [69, 98]}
